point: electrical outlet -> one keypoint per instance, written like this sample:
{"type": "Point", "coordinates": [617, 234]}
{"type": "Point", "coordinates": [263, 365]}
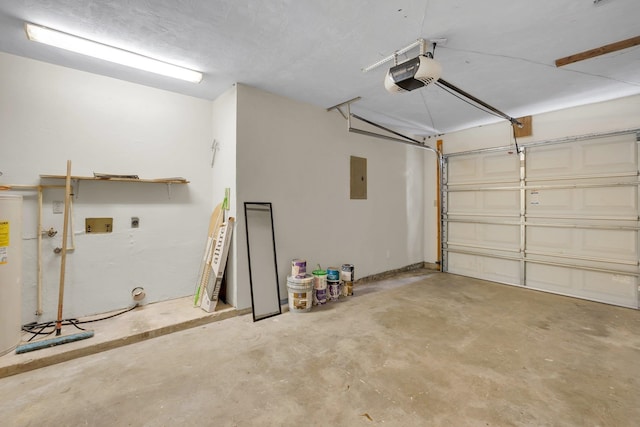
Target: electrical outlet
{"type": "Point", "coordinates": [135, 222]}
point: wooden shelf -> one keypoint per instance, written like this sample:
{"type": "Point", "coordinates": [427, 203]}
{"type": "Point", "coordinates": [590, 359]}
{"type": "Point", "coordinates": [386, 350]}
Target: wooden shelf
{"type": "Point", "coordinates": [110, 178]}
{"type": "Point", "coordinates": [174, 180]}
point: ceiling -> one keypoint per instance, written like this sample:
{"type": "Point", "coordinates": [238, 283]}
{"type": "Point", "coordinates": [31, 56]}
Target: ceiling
{"type": "Point", "coordinates": [500, 51]}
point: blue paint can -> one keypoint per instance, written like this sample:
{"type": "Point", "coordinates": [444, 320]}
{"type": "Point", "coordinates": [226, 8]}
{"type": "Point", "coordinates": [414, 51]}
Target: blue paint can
{"type": "Point", "coordinates": [333, 273]}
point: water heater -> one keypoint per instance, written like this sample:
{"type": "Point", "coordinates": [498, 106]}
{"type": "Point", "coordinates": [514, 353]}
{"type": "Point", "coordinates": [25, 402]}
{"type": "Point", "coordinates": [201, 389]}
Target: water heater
{"type": "Point", "coordinates": [10, 271]}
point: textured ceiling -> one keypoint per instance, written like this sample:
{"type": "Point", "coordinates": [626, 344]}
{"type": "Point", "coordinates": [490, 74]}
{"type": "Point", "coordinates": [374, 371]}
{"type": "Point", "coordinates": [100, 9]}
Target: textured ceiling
{"type": "Point", "coordinates": [501, 51]}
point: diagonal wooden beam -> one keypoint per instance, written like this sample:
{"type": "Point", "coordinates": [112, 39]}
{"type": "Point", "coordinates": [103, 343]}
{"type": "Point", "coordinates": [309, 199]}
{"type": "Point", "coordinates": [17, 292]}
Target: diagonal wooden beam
{"type": "Point", "coordinates": [602, 50]}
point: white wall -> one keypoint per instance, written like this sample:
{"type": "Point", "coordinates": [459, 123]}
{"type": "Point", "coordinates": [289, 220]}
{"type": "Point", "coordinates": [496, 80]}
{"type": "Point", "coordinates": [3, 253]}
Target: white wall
{"type": "Point", "coordinates": [296, 156]}
{"type": "Point", "coordinates": [620, 114]}
{"type": "Point", "coordinates": [49, 114]}
{"type": "Point", "coordinates": [224, 121]}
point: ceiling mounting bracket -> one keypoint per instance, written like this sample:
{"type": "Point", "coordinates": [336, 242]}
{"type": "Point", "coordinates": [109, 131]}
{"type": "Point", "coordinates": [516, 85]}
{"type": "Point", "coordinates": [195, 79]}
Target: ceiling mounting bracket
{"type": "Point", "coordinates": [343, 104]}
{"type": "Point", "coordinates": [423, 46]}
{"type": "Point", "coordinates": [398, 138]}
{"type": "Point", "coordinates": [421, 43]}
{"type": "Point", "coordinates": [394, 56]}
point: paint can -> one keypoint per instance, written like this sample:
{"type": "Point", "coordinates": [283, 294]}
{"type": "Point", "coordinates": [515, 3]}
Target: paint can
{"type": "Point", "coordinates": [347, 273]}
{"type": "Point", "coordinates": [347, 288]}
{"type": "Point", "coordinates": [333, 273]}
{"type": "Point", "coordinates": [334, 289]}
{"type": "Point", "coordinates": [298, 268]}
{"type": "Point", "coordinates": [319, 286]}
{"type": "Point", "coordinates": [300, 293]}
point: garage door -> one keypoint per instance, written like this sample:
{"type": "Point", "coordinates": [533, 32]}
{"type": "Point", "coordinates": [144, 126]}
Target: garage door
{"type": "Point", "coordinates": [560, 217]}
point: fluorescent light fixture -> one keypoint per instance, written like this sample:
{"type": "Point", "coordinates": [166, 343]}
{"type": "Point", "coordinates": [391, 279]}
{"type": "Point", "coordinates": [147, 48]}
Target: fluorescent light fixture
{"type": "Point", "coordinates": [83, 46]}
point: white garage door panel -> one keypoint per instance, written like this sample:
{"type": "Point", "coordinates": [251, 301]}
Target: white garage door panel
{"type": "Point", "coordinates": [498, 166]}
{"type": "Point", "coordinates": [587, 158]}
{"type": "Point", "coordinates": [610, 155]}
{"type": "Point", "coordinates": [486, 268]}
{"type": "Point", "coordinates": [615, 202]}
{"type": "Point", "coordinates": [619, 246]}
{"type": "Point", "coordinates": [550, 161]}
{"type": "Point", "coordinates": [620, 243]}
{"type": "Point", "coordinates": [618, 201]}
{"type": "Point", "coordinates": [615, 289]}
{"type": "Point", "coordinates": [569, 225]}
{"type": "Point", "coordinates": [483, 168]}
{"type": "Point", "coordinates": [497, 236]}
{"type": "Point", "coordinates": [541, 201]}
{"type": "Point", "coordinates": [502, 201]}
{"type": "Point", "coordinates": [487, 203]}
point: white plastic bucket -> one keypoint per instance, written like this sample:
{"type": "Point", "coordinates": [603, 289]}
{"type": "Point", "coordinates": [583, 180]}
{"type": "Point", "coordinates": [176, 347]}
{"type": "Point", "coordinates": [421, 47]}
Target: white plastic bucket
{"type": "Point", "coordinates": [10, 271]}
{"type": "Point", "coordinates": [300, 293]}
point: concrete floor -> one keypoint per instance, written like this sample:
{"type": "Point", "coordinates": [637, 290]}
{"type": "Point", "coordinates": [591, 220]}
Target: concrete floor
{"type": "Point", "coordinates": [421, 349]}
{"type": "Point", "coordinates": [143, 322]}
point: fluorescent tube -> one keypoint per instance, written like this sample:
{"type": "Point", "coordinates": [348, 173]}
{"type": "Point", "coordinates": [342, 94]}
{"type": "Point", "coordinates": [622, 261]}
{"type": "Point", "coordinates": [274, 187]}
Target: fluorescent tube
{"type": "Point", "coordinates": [83, 46]}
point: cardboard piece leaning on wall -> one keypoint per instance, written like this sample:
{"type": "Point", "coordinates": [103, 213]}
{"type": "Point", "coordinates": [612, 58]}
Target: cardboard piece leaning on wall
{"type": "Point", "coordinates": [218, 264]}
